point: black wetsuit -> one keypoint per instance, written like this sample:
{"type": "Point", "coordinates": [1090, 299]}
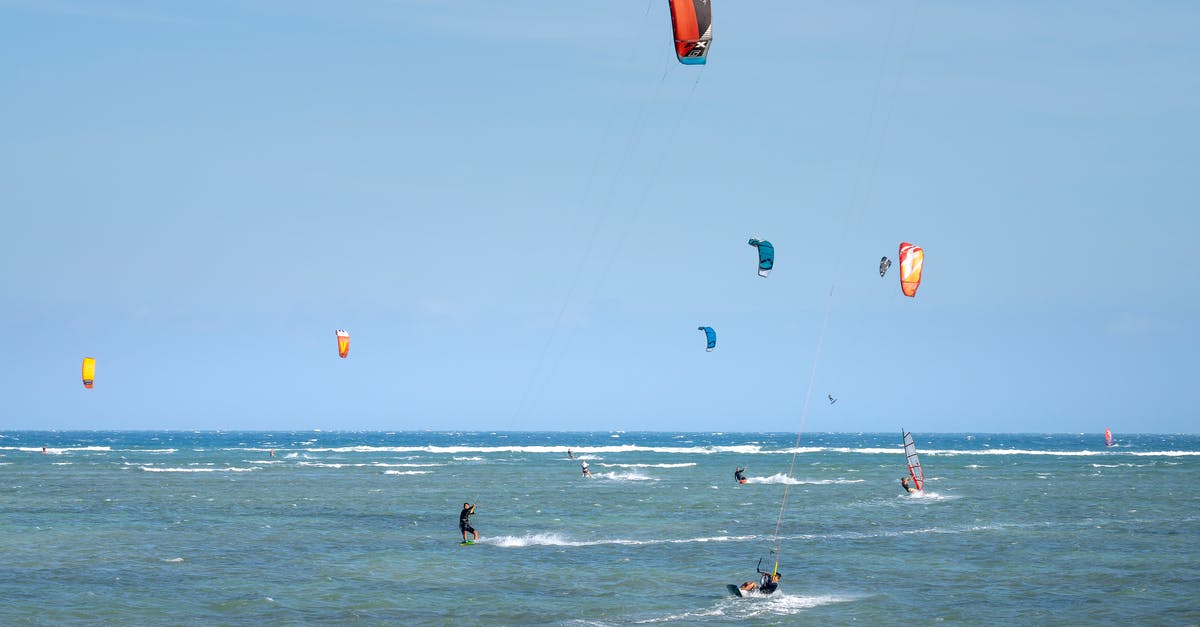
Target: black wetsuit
{"type": "Point", "coordinates": [464, 520]}
{"type": "Point", "coordinates": [765, 585]}
{"type": "Point", "coordinates": [738, 476]}
{"type": "Point", "coordinates": [908, 487]}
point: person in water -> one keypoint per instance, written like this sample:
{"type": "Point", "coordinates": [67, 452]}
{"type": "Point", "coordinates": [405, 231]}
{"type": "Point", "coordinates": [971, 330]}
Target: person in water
{"type": "Point", "coordinates": [570, 455]}
{"type": "Point", "coordinates": [586, 472]}
{"type": "Point", "coordinates": [464, 521]}
{"type": "Point", "coordinates": [907, 487]}
{"type": "Point", "coordinates": [738, 476]}
{"type": "Point", "coordinates": [766, 584]}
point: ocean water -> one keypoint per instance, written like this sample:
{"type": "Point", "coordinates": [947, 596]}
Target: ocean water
{"type": "Point", "coordinates": [179, 527]}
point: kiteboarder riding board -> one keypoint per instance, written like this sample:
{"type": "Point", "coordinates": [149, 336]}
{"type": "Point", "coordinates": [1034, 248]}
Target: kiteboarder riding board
{"type": "Point", "coordinates": [738, 592]}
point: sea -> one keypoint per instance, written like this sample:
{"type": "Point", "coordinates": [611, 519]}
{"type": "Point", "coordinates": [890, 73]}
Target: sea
{"type": "Point", "coordinates": [317, 527]}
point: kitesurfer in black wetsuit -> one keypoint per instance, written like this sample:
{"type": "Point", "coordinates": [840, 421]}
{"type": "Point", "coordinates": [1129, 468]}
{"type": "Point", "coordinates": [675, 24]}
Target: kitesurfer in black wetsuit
{"type": "Point", "coordinates": [464, 521]}
{"type": "Point", "coordinates": [738, 476]}
{"type": "Point", "coordinates": [904, 484]}
{"type": "Point", "coordinates": [766, 584]}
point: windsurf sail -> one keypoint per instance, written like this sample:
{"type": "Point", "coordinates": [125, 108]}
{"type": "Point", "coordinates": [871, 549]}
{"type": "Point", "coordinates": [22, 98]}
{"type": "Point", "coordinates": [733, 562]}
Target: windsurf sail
{"type": "Point", "coordinates": [914, 464]}
{"type": "Point", "coordinates": [912, 261]}
{"type": "Point", "coordinates": [711, 336]}
{"type": "Point", "coordinates": [766, 256]}
{"type": "Point", "coordinates": [1108, 441]}
{"type": "Point", "coordinates": [343, 340]}
{"type": "Point", "coordinates": [89, 372]}
{"type": "Point", "coordinates": [691, 21]}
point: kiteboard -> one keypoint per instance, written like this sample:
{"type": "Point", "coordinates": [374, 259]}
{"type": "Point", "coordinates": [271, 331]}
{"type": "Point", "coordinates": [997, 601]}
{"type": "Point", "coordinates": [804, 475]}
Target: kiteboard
{"type": "Point", "coordinates": [466, 543]}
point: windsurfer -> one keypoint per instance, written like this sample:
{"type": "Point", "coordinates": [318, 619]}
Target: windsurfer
{"type": "Point", "coordinates": [907, 487]}
{"type": "Point", "coordinates": [464, 521]}
{"type": "Point", "coordinates": [738, 476]}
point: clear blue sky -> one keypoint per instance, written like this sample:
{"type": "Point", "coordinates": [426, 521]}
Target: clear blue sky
{"type": "Point", "coordinates": [522, 210]}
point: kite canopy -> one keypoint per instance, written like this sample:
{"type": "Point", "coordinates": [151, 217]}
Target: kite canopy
{"type": "Point", "coordinates": [766, 256]}
{"type": "Point", "coordinates": [691, 21]}
{"type": "Point", "coordinates": [884, 264]}
{"type": "Point", "coordinates": [912, 260]}
{"type": "Point", "coordinates": [711, 335]}
{"type": "Point", "coordinates": [89, 372]}
{"type": "Point", "coordinates": [343, 340]}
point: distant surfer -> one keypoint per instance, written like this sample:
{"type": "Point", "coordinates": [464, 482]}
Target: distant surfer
{"type": "Point", "coordinates": [584, 468]}
{"type": "Point", "coordinates": [464, 522]}
{"type": "Point", "coordinates": [570, 455]}
{"type": "Point", "coordinates": [43, 450]}
{"type": "Point", "coordinates": [272, 452]}
{"type": "Point", "coordinates": [738, 476]}
{"type": "Point", "coordinates": [907, 487]}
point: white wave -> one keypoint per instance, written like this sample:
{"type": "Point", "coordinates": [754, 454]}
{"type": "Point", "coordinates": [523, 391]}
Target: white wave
{"type": "Point", "coordinates": [173, 560]}
{"type": "Point", "coordinates": [780, 478]}
{"type": "Point", "coordinates": [228, 469]}
{"type": "Point", "coordinates": [756, 607]}
{"type": "Point", "coordinates": [62, 463]}
{"type": "Point", "coordinates": [743, 449]}
{"type": "Point", "coordinates": [468, 459]}
{"type": "Point", "coordinates": [55, 450]}
{"type": "Point", "coordinates": [554, 539]}
{"type": "Point", "coordinates": [926, 495]}
{"type": "Point", "coordinates": [555, 450]}
{"type": "Point", "coordinates": [363, 465]}
{"type": "Point", "coordinates": [408, 472]}
{"type": "Point", "coordinates": [623, 476]}
{"type": "Point", "coordinates": [683, 465]}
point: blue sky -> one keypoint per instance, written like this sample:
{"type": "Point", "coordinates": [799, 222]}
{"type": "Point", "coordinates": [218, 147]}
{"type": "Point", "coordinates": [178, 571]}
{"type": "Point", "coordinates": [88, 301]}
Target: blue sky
{"type": "Point", "coordinates": [522, 211]}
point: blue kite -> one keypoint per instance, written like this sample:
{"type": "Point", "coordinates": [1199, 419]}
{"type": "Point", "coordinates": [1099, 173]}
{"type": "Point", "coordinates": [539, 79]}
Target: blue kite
{"type": "Point", "coordinates": [712, 337]}
{"type": "Point", "coordinates": [766, 256]}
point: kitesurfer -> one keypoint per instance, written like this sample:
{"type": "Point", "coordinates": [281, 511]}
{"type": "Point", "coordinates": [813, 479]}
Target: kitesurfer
{"type": "Point", "coordinates": [738, 476]}
{"type": "Point", "coordinates": [570, 455]}
{"type": "Point", "coordinates": [904, 484]}
{"type": "Point", "coordinates": [766, 584]}
{"type": "Point", "coordinates": [584, 468]}
{"type": "Point", "coordinates": [464, 521]}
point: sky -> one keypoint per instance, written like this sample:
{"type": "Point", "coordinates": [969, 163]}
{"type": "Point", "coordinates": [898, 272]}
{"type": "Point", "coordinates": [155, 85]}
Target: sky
{"type": "Point", "coordinates": [523, 210]}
